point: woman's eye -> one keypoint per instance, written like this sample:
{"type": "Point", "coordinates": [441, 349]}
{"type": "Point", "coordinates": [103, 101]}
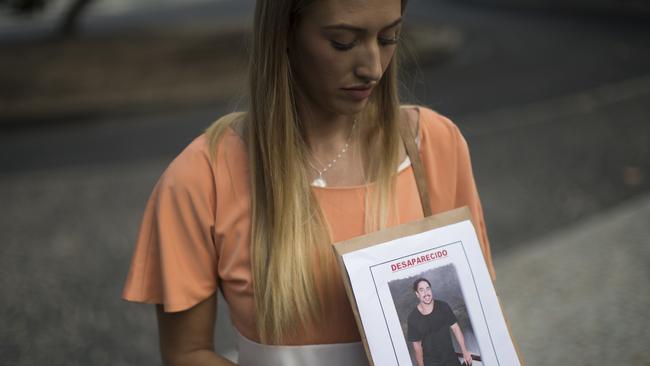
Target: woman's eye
{"type": "Point", "coordinates": [388, 41]}
{"type": "Point", "coordinates": [341, 46]}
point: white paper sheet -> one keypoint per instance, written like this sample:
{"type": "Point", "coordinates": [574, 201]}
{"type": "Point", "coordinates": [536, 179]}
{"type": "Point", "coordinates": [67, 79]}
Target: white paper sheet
{"type": "Point", "coordinates": [449, 249]}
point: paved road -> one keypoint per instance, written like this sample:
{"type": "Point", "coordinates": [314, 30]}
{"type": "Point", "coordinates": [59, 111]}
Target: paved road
{"type": "Point", "coordinates": [516, 57]}
{"type": "Point", "coordinates": [579, 295]}
{"type": "Point", "coordinates": [555, 110]}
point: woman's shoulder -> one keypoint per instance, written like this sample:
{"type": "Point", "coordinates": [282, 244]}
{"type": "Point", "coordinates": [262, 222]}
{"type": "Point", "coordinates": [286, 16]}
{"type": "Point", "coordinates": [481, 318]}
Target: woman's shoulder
{"type": "Point", "coordinates": [190, 167]}
{"type": "Point", "coordinates": [230, 123]}
{"type": "Point", "coordinates": [432, 121]}
{"type": "Point", "coordinates": [434, 129]}
{"type": "Point", "coordinates": [199, 160]}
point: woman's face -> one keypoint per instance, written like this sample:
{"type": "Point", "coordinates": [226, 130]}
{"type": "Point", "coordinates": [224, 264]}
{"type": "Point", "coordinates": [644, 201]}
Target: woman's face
{"type": "Point", "coordinates": [341, 50]}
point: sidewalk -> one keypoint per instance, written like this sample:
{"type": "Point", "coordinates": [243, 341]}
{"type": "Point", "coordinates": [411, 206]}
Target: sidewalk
{"type": "Point", "coordinates": [580, 295]}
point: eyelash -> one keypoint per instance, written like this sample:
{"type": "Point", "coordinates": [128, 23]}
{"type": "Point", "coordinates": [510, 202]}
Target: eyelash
{"type": "Point", "coordinates": [347, 46]}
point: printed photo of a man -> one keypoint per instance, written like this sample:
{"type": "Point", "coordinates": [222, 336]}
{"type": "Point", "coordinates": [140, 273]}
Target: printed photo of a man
{"type": "Point", "coordinates": [429, 325]}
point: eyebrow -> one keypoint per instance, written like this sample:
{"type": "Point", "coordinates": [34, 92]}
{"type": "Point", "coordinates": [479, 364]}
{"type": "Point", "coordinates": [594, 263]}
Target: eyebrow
{"type": "Point", "coordinates": [349, 27]}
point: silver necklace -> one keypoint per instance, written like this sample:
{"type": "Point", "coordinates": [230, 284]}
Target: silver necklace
{"type": "Point", "coordinates": [320, 180]}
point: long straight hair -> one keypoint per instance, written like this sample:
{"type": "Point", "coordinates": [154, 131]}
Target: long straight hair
{"type": "Point", "coordinates": [292, 261]}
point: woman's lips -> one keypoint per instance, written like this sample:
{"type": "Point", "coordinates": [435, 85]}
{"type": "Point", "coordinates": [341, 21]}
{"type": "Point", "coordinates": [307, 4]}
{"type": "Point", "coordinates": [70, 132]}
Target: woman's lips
{"type": "Point", "coordinates": [358, 94]}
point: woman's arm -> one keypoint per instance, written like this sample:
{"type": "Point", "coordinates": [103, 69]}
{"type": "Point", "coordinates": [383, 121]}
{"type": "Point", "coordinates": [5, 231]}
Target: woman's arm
{"type": "Point", "coordinates": [187, 337]}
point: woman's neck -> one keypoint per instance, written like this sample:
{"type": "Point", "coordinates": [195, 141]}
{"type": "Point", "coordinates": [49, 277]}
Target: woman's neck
{"type": "Point", "coordinates": [334, 152]}
{"type": "Point", "coordinates": [327, 134]}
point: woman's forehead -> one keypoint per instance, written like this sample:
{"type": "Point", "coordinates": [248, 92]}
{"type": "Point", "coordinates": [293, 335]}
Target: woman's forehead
{"type": "Point", "coordinates": [361, 13]}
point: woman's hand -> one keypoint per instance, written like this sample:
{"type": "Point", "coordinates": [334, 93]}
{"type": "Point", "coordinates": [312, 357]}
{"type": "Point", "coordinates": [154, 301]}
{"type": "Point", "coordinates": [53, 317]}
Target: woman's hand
{"type": "Point", "coordinates": [187, 337]}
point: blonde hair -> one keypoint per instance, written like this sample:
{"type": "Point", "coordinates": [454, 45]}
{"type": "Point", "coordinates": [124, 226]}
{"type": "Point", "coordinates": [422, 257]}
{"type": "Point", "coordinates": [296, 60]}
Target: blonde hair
{"type": "Point", "coordinates": [287, 224]}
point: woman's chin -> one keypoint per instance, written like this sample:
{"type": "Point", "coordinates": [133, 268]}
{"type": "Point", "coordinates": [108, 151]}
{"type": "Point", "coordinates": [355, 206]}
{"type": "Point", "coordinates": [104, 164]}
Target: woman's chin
{"type": "Point", "coordinates": [352, 107]}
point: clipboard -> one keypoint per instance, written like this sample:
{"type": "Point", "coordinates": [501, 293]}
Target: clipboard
{"type": "Point", "coordinates": [379, 269]}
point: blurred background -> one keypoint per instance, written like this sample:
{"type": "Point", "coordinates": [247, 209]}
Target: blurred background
{"type": "Point", "coordinates": [97, 97]}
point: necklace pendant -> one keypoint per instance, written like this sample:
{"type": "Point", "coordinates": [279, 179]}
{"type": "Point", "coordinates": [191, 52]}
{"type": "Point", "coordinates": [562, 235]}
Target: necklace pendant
{"type": "Point", "coordinates": [319, 182]}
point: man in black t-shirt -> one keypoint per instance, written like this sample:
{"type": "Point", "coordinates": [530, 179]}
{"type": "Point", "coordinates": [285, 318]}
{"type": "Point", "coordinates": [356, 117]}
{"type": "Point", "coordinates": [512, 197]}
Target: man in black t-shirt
{"type": "Point", "coordinates": [428, 330]}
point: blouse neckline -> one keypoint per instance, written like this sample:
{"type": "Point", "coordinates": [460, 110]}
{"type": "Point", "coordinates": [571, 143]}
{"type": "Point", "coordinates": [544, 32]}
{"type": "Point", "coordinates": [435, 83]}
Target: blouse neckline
{"type": "Point", "coordinates": [399, 173]}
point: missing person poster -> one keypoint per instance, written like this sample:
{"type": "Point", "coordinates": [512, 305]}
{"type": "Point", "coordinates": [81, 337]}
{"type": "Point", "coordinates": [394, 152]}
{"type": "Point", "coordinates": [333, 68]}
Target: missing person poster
{"type": "Point", "coordinates": [422, 295]}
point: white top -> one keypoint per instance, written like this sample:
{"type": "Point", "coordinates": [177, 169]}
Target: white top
{"type": "Point", "coordinates": [255, 354]}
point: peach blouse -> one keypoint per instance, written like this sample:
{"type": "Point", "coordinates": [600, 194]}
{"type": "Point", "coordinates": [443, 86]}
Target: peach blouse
{"type": "Point", "coordinates": [195, 234]}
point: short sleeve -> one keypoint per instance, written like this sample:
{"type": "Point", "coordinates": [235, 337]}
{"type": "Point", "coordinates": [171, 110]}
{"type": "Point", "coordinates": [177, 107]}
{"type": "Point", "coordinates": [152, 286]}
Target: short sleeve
{"type": "Point", "coordinates": [451, 317]}
{"type": "Point", "coordinates": [175, 259]}
{"type": "Point", "coordinates": [467, 195]}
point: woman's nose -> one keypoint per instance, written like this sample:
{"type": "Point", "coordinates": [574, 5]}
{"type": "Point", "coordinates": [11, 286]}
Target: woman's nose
{"type": "Point", "coordinates": [369, 67]}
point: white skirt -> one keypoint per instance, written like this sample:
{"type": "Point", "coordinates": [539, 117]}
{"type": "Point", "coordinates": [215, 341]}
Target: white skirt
{"type": "Point", "coordinates": [255, 354]}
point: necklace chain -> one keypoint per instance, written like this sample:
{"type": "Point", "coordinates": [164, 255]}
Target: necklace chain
{"type": "Point", "coordinates": [320, 180]}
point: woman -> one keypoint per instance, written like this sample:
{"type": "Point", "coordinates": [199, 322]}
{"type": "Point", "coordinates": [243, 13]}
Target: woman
{"type": "Point", "coordinates": [252, 206]}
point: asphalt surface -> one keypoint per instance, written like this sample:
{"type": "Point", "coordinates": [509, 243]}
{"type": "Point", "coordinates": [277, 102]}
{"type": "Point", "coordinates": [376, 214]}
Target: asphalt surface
{"type": "Point", "coordinates": [579, 295]}
{"type": "Point", "coordinates": [555, 109]}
